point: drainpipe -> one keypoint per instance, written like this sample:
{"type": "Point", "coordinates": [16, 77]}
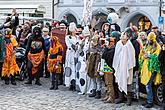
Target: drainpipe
{"type": "Point", "coordinates": [54, 4]}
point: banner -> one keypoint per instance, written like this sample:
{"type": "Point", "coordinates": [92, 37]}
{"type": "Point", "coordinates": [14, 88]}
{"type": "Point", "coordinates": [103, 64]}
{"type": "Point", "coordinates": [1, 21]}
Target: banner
{"type": "Point", "coordinates": [87, 12]}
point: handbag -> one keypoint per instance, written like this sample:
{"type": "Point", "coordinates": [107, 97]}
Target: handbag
{"type": "Point", "coordinates": [68, 70]}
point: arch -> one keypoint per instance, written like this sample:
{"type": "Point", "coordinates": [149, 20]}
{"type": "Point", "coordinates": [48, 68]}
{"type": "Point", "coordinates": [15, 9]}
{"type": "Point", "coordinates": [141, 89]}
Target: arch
{"type": "Point", "coordinates": [127, 18]}
{"type": "Point", "coordinates": [69, 11]}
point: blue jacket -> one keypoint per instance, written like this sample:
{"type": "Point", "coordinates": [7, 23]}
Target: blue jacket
{"type": "Point", "coordinates": [47, 42]}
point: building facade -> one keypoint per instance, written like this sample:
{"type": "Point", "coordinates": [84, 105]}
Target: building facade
{"type": "Point", "coordinates": [142, 13]}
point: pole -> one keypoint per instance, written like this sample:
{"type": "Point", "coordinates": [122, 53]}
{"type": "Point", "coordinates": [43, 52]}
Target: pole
{"type": "Point", "coordinates": [160, 8]}
{"type": "Point", "coordinates": [53, 9]}
{"type": "Point", "coordinates": [23, 16]}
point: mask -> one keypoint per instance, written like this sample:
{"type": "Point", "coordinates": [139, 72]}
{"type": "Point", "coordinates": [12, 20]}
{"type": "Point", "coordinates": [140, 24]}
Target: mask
{"type": "Point", "coordinates": [37, 31]}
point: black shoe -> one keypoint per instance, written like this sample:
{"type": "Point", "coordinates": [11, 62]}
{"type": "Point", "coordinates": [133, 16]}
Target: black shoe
{"type": "Point", "coordinates": [120, 99]}
{"type": "Point", "coordinates": [98, 95]}
{"type": "Point", "coordinates": [13, 80]}
{"type": "Point", "coordinates": [13, 83]}
{"type": "Point", "coordinates": [7, 82]}
{"type": "Point", "coordinates": [52, 87]}
{"type": "Point", "coordinates": [149, 105]}
{"type": "Point", "coordinates": [56, 88]}
{"type": "Point", "coordinates": [28, 82]}
{"type": "Point", "coordinates": [129, 98]}
{"type": "Point", "coordinates": [47, 76]}
{"type": "Point", "coordinates": [38, 83]}
{"type": "Point", "coordinates": [93, 93]}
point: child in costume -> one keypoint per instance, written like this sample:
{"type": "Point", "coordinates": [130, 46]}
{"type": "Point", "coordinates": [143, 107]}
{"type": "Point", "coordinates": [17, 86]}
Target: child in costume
{"type": "Point", "coordinates": [10, 67]}
{"type": "Point", "coordinates": [55, 61]}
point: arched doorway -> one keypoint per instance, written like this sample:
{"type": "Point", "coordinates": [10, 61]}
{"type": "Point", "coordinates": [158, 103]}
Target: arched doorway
{"type": "Point", "coordinates": [71, 18]}
{"type": "Point", "coordinates": [100, 18]}
{"type": "Point", "coordinates": [141, 21]}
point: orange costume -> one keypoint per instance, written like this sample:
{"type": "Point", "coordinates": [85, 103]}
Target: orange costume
{"type": "Point", "coordinates": [55, 56]}
{"type": "Point", "coordinates": [55, 61]}
{"type": "Point", "coordinates": [10, 66]}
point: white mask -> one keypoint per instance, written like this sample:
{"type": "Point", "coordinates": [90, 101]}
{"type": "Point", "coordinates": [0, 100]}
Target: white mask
{"type": "Point", "coordinates": [163, 47]}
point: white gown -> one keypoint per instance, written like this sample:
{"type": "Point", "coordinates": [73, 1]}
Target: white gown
{"type": "Point", "coordinates": [81, 68]}
{"type": "Point", "coordinates": [70, 78]}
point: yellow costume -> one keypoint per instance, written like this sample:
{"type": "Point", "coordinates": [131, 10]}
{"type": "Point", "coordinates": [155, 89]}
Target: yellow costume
{"type": "Point", "coordinates": [54, 56]}
{"type": "Point", "coordinates": [151, 64]}
{"type": "Point", "coordinates": [10, 66]}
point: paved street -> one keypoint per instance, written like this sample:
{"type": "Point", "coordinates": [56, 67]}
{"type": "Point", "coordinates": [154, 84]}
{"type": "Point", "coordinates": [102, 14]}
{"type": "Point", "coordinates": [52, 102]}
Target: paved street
{"type": "Point", "coordinates": [25, 97]}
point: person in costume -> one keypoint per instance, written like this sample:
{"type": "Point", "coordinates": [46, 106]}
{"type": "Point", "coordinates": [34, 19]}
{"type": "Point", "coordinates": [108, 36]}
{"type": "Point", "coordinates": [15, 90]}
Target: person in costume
{"type": "Point", "coordinates": [123, 63]}
{"type": "Point", "coordinates": [93, 67]}
{"type": "Point", "coordinates": [10, 67]}
{"type": "Point", "coordinates": [161, 58]}
{"type": "Point", "coordinates": [81, 67]}
{"type": "Point", "coordinates": [47, 45]}
{"type": "Point", "coordinates": [35, 54]}
{"type": "Point", "coordinates": [55, 61]}
{"type": "Point", "coordinates": [150, 67]}
{"type": "Point", "coordinates": [71, 56]}
{"type": "Point", "coordinates": [108, 71]}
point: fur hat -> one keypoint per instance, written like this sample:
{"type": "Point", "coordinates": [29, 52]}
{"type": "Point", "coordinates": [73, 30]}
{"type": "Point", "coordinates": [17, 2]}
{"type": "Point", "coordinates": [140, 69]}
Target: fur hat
{"type": "Point", "coordinates": [86, 31]}
{"type": "Point", "coordinates": [45, 29]}
{"type": "Point", "coordinates": [72, 27]}
{"type": "Point", "coordinates": [112, 18]}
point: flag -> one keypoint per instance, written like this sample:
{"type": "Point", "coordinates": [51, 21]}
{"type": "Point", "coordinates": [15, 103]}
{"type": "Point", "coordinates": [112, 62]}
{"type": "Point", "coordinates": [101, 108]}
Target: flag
{"type": "Point", "coordinates": [87, 11]}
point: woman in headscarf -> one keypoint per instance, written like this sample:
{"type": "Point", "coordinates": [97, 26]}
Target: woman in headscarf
{"type": "Point", "coordinates": [10, 67]}
{"type": "Point", "coordinates": [55, 61]}
{"type": "Point", "coordinates": [150, 67]}
{"type": "Point", "coordinates": [35, 53]}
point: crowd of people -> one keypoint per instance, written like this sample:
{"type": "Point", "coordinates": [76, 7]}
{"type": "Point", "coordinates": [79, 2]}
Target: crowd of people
{"type": "Point", "coordinates": [86, 59]}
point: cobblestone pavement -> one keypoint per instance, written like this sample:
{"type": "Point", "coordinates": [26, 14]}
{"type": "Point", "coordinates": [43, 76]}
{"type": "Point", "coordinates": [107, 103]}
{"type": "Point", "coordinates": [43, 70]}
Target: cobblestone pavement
{"type": "Point", "coordinates": [26, 97]}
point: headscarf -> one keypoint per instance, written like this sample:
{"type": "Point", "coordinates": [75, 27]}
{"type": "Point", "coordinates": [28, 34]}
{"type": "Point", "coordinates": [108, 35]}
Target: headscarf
{"type": "Point", "coordinates": [152, 36]}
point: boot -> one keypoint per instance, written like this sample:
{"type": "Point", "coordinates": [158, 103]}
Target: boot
{"type": "Point", "coordinates": [93, 93]}
{"type": "Point", "coordinates": [38, 82]}
{"type": "Point", "coordinates": [120, 99]}
{"type": "Point", "coordinates": [71, 87]}
{"type": "Point", "coordinates": [56, 84]}
{"type": "Point", "coordinates": [129, 98]}
{"type": "Point", "coordinates": [53, 85]}
{"type": "Point", "coordinates": [7, 80]}
{"type": "Point", "coordinates": [98, 95]}
{"type": "Point", "coordinates": [13, 80]}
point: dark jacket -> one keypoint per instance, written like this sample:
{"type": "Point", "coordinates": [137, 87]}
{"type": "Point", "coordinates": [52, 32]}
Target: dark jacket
{"type": "Point", "coordinates": [108, 55]}
{"type": "Point", "coordinates": [136, 46]}
{"type": "Point", "coordinates": [161, 58]}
